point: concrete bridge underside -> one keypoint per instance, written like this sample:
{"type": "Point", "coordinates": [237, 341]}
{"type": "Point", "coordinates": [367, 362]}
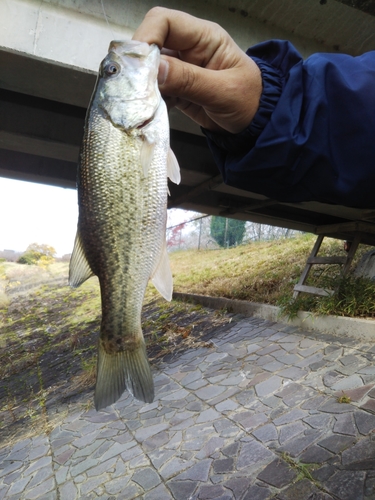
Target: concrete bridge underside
{"type": "Point", "coordinates": [49, 54]}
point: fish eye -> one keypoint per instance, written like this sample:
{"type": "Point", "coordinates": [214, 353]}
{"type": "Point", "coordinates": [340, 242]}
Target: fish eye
{"type": "Point", "coordinates": [111, 69]}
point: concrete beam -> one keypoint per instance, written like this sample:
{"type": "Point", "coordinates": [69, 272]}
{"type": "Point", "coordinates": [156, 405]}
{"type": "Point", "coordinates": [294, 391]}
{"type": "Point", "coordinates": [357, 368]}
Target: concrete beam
{"type": "Point", "coordinates": [53, 49]}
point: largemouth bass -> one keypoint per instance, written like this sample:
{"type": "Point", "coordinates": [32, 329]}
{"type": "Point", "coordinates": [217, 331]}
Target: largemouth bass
{"type": "Point", "coordinates": [122, 196]}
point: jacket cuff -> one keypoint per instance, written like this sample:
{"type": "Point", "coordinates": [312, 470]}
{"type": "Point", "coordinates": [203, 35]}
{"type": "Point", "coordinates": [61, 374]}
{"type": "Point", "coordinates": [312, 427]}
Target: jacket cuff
{"type": "Point", "coordinates": [272, 81]}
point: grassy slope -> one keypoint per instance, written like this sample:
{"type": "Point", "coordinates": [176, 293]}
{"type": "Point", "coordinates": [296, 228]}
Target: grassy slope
{"type": "Point", "coordinates": [259, 272]}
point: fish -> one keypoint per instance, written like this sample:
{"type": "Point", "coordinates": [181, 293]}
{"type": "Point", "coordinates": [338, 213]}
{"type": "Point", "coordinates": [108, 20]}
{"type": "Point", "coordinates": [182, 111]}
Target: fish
{"type": "Point", "coordinates": [122, 181]}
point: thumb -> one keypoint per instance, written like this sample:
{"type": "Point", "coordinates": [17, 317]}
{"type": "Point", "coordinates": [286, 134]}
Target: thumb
{"type": "Point", "coordinates": [183, 80]}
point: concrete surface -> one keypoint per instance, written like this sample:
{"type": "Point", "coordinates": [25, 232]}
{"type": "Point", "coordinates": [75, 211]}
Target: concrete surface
{"type": "Point", "coordinates": [361, 329]}
{"type": "Point", "coordinates": [233, 420]}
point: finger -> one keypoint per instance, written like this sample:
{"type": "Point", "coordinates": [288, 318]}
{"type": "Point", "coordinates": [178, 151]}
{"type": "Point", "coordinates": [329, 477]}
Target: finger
{"type": "Point", "coordinates": [179, 31]}
{"type": "Point", "coordinates": [190, 82]}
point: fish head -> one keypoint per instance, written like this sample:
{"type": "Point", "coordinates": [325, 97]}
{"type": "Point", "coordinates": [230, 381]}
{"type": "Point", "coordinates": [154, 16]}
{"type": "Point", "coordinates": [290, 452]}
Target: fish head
{"type": "Point", "coordinates": [127, 88]}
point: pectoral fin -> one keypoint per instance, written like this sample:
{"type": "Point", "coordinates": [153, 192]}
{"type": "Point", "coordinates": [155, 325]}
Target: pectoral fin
{"type": "Point", "coordinates": [147, 153]}
{"type": "Point", "coordinates": [162, 277]}
{"type": "Point", "coordinates": [173, 168]}
{"type": "Point", "coordinates": [79, 268]}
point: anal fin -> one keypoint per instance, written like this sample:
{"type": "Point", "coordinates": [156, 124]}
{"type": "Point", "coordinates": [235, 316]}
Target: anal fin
{"type": "Point", "coordinates": [79, 268]}
{"type": "Point", "coordinates": [162, 277]}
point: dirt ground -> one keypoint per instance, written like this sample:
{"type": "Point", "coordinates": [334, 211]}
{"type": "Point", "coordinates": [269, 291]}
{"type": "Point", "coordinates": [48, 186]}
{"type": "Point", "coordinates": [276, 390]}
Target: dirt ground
{"type": "Point", "coordinates": [48, 350]}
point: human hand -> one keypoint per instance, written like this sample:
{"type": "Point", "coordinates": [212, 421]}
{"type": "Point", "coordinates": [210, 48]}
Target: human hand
{"type": "Point", "coordinates": [203, 72]}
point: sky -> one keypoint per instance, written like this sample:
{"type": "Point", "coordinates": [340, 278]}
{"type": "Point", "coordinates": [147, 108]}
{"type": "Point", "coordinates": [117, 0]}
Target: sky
{"type": "Point", "coordinates": [38, 213]}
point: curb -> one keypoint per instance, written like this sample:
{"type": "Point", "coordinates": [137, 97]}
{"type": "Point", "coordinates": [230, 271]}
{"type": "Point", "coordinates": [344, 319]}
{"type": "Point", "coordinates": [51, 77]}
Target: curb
{"type": "Point", "coordinates": [358, 328]}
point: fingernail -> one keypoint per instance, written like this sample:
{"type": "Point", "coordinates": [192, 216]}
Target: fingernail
{"type": "Point", "coordinates": [163, 71]}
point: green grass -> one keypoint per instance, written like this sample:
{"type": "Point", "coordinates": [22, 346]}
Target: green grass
{"type": "Point", "coordinates": [266, 272]}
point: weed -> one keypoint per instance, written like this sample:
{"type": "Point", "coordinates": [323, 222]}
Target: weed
{"type": "Point", "coordinates": [344, 399]}
{"type": "Point", "coordinates": [354, 297]}
{"type": "Point", "coordinates": [303, 470]}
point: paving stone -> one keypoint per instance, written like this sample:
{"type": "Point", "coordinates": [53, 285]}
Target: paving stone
{"type": "Point", "coordinates": [140, 461]}
{"type": "Point", "coordinates": [365, 422]}
{"type": "Point", "coordinates": [315, 402]}
{"type": "Point", "coordinates": [293, 373]}
{"type": "Point", "coordinates": [145, 432]}
{"type": "Point", "coordinates": [238, 485]}
{"type": "Point", "coordinates": [101, 468]}
{"type": "Point", "coordinates": [290, 416]}
{"type": "Point", "coordinates": [360, 455]}
{"type": "Point", "coordinates": [369, 489]}
{"type": "Point", "coordinates": [208, 416]}
{"type": "Point", "coordinates": [93, 482]}
{"type": "Point", "coordinates": [303, 489]}
{"type": "Point", "coordinates": [131, 490]}
{"type": "Point", "coordinates": [315, 455]}
{"type": "Point", "coordinates": [369, 405]}
{"type": "Point", "coordinates": [347, 383]}
{"type": "Point", "coordinates": [347, 485]}
{"type": "Point", "coordinates": [336, 443]}
{"type": "Point", "coordinates": [158, 493]}
{"type": "Point", "coordinates": [156, 441]}
{"type": "Point", "coordinates": [300, 443]}
{"type": "Point", "coordinates": [278, 473]}
{"type": "Point", "coordinates": [231, 450]}
{"type": "Point", "coordinates": [331, 378]}
{"type": "Point", "coordinates": [289, 431]}
{"type": "Point", "coordinates": [209, 491]}
{"type": "Point", "coordinates": [319, 421]}
{"type": "Point", "coordinates": [252, 453]}
{"type": "Point", "coordinates": [68, 491]}
{"type": "Point", "coordinates": [299, 396]}
{"type": "Point", "coordinates": [10, 467]}
{"type": "Point", "coordinates": [254, 421]}
{"type": "Point", "coordinates": [349, 359]}
{"type": "Point", "coordinates": [273, 366]}
{"type": "Point", "coordinates": [61, 474]}
{"type": "Point", "coordinates": [212, 445]}
{"type": "Point", "coordinates": [318, 365]}
{"type": "Point", "coordinates": [256, 492]}
{"type": "Point", "coordinates": [367, 370]}
{"type": "Point", "coordinates": [223, 466]}
{"type": "Point", "coordinates": [173, 467]}
{"type": "Point", "coordinates": [209, 392]}
{"type": "Point", "coordinates": [40, 476]}
{"type": "Point", "coordinates": [268, 386]}
{"type": "Point", "coordinates": [266, 433]}
{"type": "Point", "coordinates": [356, 394]}
{"type": "Point", "coordinates": [182, 490]}
{"type": "Point", "coordinates": [18, 486]}
{"type": "Point", "coordinates": [41, 490]}
{"type": "Point", "coordinates": [332, 406]}
{"type": "Point", "coordinates": [345, 425]}
{"type": "Point", "coordinates": [260, 377]}
{"type": "Point", "coordinates": [147, 478]}
{"type": "Point", "coordinates": [198, 472]}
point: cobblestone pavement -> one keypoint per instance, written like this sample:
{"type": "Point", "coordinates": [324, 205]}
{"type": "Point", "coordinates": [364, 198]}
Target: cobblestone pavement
{"type": "Point", "coordinates": [233, 421]}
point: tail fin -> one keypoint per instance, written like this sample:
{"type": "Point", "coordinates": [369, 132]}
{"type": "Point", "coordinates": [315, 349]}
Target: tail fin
{"type": "Point", "coordinates": [123, 370]}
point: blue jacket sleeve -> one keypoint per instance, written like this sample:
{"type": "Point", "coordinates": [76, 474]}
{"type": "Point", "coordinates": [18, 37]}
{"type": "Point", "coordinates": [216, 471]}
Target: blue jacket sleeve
{"type": "Point", "coordinates": [313, 137]}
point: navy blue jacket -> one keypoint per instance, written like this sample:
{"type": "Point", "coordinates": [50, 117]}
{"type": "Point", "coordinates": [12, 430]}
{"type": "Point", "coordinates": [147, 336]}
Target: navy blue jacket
{"type": "Point", "coordinates": [313, 137]}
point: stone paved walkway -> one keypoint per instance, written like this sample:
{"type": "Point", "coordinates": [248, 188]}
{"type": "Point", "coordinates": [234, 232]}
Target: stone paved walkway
{"type": "Point", "coordinates": [233, 421]}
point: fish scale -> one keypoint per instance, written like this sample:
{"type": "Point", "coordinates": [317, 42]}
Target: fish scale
{"type": "Point", "coordinates": [122, 196]}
